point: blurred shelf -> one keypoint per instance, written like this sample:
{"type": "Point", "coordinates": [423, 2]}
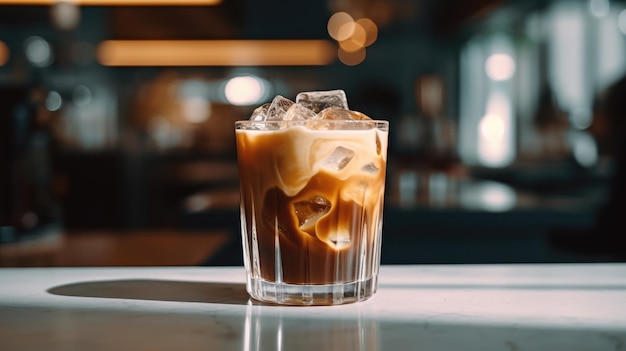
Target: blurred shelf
{"type": "Point", "coordinates": [114, 248]}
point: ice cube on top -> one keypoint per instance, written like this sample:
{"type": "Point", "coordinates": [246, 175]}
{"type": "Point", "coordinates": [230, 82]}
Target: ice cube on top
{"type": "Point", "coordinates": [298, 113]}
{"type": "Point", "coordinates": [326, 119]}
{"type": "Point", "coordinates": [341, 114]}
{"type": "Point", "coordinates": [260, 113]}
{"type": "Point", "coordinates": [278, 108]}
{"type": "Point", "coordinates": [320, 100]}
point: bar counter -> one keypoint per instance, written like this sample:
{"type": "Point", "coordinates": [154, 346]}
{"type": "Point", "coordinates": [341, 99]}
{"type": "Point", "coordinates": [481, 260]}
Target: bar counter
{"type": "Point", "coordinates": [426, 307]}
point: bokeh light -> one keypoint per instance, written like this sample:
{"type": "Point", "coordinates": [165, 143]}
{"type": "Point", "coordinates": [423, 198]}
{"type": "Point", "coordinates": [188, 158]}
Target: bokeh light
{"type": "Point", "coordinates": [492, 127]}
{"type": "Point", "coordinates": [500, 67]}
{"type": "Point", "coordinates": [38, 51]}
{"type": "Point", "coordinates": [340, 26]}
{"type": "Point", "coordinates": [351, 58]}
{"type": "Point", "coordinates": [496, 139]}
{"type": "Point", "coordinates": [356, 41]}
{"type": "Point", "coordinates": [489, 196]}
{"type": "Point", "coordinates": [244, 90]}
{"type": "Point", "coordinates": [370, 28]}
{"type": "Point", "coordinates": [54, 101]}
{"type": "Point", "coordinates": [352, 36]}
{"type": "Point", "coordinates": [65, 15]}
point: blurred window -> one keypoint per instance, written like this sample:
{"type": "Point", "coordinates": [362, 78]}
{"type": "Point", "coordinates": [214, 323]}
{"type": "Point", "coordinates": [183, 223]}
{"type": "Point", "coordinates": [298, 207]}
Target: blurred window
{"type": "Point", "coordinates": [574, 49]}
{"type": "Point", "coordinates": [487, 130]}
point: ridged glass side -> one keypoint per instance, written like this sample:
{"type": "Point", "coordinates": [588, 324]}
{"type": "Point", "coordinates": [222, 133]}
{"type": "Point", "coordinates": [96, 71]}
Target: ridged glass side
{"type": "Point", "coordinates": [365, 258]}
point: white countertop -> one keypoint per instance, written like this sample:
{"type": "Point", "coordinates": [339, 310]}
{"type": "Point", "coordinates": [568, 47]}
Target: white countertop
{"type": "Point", "coordinates": [460, 307]}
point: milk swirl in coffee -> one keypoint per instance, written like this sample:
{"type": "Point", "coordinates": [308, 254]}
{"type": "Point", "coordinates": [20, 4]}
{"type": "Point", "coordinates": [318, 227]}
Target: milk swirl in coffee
{"type": "Point", "coordinates": [312, 176]}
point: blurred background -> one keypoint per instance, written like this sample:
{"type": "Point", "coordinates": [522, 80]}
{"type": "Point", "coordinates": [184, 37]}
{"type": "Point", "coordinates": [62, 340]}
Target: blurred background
{"type": "Point", "coordinates": [117, 140]}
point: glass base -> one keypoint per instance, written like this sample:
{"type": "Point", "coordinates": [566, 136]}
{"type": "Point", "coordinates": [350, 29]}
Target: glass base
{"type": "Point", "coordinates": [307, 295]}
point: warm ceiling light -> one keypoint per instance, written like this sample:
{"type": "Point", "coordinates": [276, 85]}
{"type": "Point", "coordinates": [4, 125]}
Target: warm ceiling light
{"type": "Point", "coordinates": [4, 53]}
{"type": "Point", "coordinates": [216, 52]}
{"type": "Point", "coordinates": [114, 2]}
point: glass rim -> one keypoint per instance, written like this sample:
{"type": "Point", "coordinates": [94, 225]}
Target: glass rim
{"type": "Point", "coordinates": [376, 123]}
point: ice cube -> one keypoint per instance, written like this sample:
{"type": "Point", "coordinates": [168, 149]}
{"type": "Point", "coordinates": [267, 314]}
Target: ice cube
{"type": "Point", "coordinates": [339, 159]}
{"type": "Point", "coordinates": [340, 240]}
{"type": "Point", "coordinates": [311, 210]}
{"type": "Point", "coordinates": [298, 113]}
{"type": "Point", "coordinates": [370, 168]}
{"type": "Point", "coordinates": [277, 109]}
{"type": "Point", "coordinates": [341, 114]}
{"type": "Point", "coordinates": [320, 100]}
{"type": "Point", "coordinates": [260, 113]}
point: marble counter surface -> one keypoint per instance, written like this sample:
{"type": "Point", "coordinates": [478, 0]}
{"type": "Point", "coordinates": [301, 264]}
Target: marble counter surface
{"type": "Point", "coordinates": [429, 307]}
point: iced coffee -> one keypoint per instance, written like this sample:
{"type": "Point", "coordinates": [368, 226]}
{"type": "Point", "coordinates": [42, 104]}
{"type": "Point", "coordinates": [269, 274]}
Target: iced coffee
{"type": "Point", "coordinates": [312, 178]}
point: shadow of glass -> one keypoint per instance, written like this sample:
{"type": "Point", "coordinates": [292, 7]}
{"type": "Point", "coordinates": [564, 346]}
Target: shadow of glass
{"type": "Point", "coordinates": [157, 290]}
